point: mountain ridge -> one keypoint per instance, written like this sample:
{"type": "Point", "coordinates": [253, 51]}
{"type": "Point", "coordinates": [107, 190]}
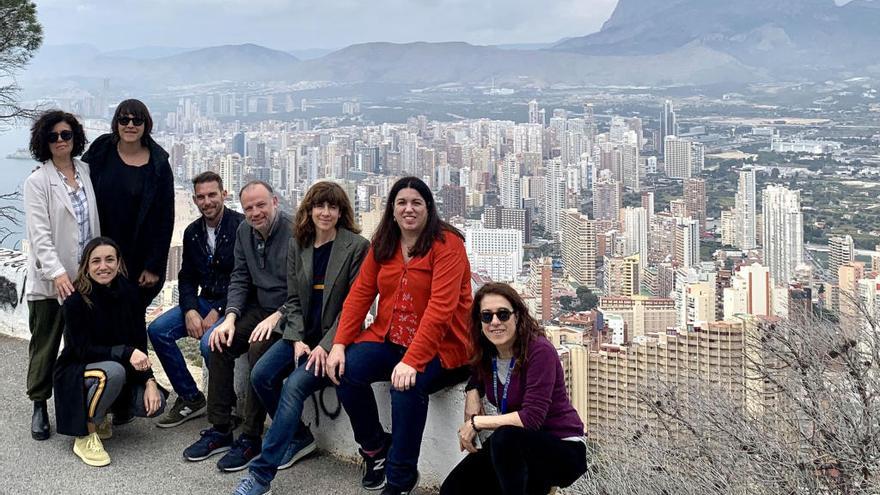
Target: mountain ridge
{"type": "Point", "coordinates": [784, 36]}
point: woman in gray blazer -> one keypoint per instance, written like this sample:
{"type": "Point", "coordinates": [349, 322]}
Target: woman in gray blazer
{"type": "Point", "coordinates": [323, 259]}
{"type": "Point", "coordinates": [61, 217]}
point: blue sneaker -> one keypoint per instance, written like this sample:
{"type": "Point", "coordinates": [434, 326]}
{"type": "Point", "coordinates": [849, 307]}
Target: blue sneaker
{"type": "Point", "coordinates": [251, 486]}
{"type": "Point", "coordinates": [298, 448]}
{"type": "Point", "coordinates": [240, 455]}
{"type": "Point", "coordinates": [212, 442]}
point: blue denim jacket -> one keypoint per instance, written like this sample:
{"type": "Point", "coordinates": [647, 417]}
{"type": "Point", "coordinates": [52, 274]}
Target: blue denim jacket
{"type": "Point", "coordinates": [202, 270]}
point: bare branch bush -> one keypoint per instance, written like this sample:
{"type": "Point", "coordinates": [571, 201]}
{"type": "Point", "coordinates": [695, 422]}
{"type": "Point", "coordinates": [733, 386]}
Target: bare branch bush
{"type": "Point", "coordinates": [20, 36]}
{"type": "Point", "coordinates": [10, 214]}
{"type": "Point", "coordinates": [806, 420]}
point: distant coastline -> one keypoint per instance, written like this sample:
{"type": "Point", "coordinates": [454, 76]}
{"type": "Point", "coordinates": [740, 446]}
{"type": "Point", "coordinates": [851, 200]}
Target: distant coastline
{"type": "Point", "coordinates": [20, 154]}
{"type": "Point", "coordinates": [15, 165]}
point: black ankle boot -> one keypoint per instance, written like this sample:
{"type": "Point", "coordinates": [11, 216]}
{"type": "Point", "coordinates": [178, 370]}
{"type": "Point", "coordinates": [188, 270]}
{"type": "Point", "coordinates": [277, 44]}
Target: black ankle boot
{"type": "Point", "coordinates": [40, 421]}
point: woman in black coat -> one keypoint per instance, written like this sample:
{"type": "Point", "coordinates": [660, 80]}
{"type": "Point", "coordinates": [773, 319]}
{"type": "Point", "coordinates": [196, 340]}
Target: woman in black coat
{"type": "Point", "coordinates": [104, 364]}
{"type": "Point", "coordinates": [134, 188]}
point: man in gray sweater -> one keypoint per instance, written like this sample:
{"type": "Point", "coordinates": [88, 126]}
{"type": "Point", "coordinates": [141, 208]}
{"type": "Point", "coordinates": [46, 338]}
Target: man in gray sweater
{"type": "Point", "coordinates": [254, 308]}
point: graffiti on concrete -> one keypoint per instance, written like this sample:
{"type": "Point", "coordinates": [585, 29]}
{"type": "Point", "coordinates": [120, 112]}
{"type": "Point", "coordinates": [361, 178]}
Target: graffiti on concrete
{"type": "Point", "coordinates": [8, 294]}
{"type": "Point", "coordinates": [321, 407]}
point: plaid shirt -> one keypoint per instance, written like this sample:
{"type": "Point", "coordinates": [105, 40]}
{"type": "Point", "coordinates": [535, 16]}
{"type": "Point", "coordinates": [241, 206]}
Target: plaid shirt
{"type": "Point", "coordinates": [80, 207]}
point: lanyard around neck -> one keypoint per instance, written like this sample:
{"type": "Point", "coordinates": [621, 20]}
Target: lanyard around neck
{"type": "Point", "coordinates": [502, 402]}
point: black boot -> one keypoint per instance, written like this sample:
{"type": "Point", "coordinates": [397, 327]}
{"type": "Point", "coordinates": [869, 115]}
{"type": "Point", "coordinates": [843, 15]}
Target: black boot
{"type": "Point", "coordinates": [40, 421]}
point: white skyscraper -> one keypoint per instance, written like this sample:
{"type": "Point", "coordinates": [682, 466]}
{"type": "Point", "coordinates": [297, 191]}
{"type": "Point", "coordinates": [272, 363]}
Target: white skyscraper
{"type": "Point", "coordinates": [783, 233]}
{"type": "Point", "coordinates": [509, 183]}
{"type": "Point", "coordinates": [578, 246]}
{"type": "Point", "coordinates": [554, 194]}
{"type": "Point", "coordinates": [635, 224]}
{"type": "Point", "coordinates": [629, 156]}
{"type": "Point", "coordinates": [292, 170]}
{"type": "Point", "coordinates": [678, 157]}
{"type": "Point", "coordinates": [745, 210]}
{"type": "Point", "coordinates": [497, 251]}
{"type": "Point", "coordinates": [686, 249]}
{"type": "Point", "coordinates": [668, 124]}
{"type": "Point", "coordinates": [534, 113]}
{"type": "Point", "coordinates": [841, 250]}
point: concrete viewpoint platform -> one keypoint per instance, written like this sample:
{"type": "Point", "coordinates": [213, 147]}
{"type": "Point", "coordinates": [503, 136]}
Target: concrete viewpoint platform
{"type": "Point", "coordinates": [146, 459]}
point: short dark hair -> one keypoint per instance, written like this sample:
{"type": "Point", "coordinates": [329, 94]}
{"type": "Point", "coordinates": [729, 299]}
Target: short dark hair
{"type": "Point", "coordinates": [43, 126]}
{"type": "Point", "coordinates": [207, 177]}
{"type": "Point", "coordinates": [386, 239]}
{"type": "Point", "coordinates": [320, 193]}
{"type": "Point", "coordinates": [256, 183]}
{"type": "Point", "coordinates": [138, 110]}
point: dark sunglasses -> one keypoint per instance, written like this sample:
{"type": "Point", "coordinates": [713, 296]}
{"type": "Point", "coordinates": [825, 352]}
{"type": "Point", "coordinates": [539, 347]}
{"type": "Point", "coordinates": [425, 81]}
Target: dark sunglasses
{"type": "Point", "coordinates": [136, 121]}
{"type": "Point", "coordinates": [503, 315]}
{"type": "Point", "coordinates": [64, 135]}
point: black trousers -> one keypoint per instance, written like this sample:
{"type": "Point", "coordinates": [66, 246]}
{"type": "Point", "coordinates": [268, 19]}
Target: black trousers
{"type": "Point", "coordinates": [221, 377]}
{"type": "Point", "coordinates": [517, 461]}
{"type": "Point", "coordinates": [47, 326]}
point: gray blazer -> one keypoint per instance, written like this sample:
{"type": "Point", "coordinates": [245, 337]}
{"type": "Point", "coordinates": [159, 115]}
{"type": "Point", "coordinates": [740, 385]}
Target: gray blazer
{"type": "Point", "coordinates": [346, 256]}
{"type": "Point", "coordinates": [52, 231]}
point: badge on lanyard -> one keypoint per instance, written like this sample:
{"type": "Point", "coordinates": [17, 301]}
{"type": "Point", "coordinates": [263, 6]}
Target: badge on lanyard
{"type": "Point", "coordinates": [502, 402]}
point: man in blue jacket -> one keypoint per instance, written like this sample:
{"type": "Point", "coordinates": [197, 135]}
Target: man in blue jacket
{"type": "Point", "coordinates": [203, 280]}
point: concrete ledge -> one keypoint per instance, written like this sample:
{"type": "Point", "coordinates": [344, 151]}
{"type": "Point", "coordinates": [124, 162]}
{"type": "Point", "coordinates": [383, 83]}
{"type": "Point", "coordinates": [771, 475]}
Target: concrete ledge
{"type": "Point", "coordinates": [439, 454]}
{"type": "Point", "coordinates": [13, 305]}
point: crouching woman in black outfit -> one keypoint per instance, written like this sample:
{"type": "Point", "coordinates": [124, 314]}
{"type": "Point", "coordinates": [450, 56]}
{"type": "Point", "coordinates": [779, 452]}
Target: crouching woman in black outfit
{"type": "Point", "coordinates": [104, 364]}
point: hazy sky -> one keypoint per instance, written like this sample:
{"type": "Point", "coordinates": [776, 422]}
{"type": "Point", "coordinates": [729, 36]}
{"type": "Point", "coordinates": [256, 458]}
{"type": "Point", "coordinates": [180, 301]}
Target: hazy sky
{"type": "Point", "coordinates": [295, 24]}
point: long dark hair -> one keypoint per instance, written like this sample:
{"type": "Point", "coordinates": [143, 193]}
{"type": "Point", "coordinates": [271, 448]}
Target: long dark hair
{"type": "Point", "coordinates": [527, 329]}
{"type": "Point", "coordinates": [83, 282]}
{"type": "Point", "coordinates": [137, 109]}
{"type": "Point", "coordinates": [39, 145]}
{"type": "Point", "coordinates": [386, 240]}
{"type": "Point", "coordinates": [320, 193]}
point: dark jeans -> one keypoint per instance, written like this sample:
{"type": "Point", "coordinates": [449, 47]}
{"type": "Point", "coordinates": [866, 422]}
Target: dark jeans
{"type": "Point", "coordinates": [522, 462]}
{"type": "Point", "coordinates": [221, 380]}
{"type": "Point", "coordinates": [283, 390]}
{"type": "Point", "coordinates": [370, 362]}
{"type": "Point", "coordinates": [164, 333]}
{"type": "Point", "coordinates": [46, 323]}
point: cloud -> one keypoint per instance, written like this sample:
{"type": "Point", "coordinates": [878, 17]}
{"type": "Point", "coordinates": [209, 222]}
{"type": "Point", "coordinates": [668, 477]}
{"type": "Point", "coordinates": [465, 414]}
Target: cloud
{"type": "Point", "coordinates": [288, 24]}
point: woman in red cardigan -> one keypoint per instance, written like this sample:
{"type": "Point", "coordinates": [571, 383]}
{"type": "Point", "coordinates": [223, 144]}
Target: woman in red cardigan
{"type": "Point", "coordinates": [418, 266]}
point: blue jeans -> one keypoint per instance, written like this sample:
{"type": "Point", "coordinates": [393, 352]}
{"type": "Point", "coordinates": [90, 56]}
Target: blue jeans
{"type": "Point", "coordinates": [284, 400]}
{"type": "Point", "coordinates": [164, 333]}
{"type": "Point", "coordinates": [370, 362]}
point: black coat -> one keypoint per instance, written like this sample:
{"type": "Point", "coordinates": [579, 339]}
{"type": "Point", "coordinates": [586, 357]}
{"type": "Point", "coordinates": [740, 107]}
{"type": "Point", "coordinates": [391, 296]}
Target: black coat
{"type": "Point", "coordinates": [155, 220]}
{"type": "Point", "coordinates": [209, 272]}
{"type": "Point", "coordinates": [108, 330]}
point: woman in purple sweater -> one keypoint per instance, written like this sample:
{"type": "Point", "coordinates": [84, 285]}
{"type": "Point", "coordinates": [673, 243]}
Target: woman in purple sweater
{"type": "Point", "coordinates": [538, 438]}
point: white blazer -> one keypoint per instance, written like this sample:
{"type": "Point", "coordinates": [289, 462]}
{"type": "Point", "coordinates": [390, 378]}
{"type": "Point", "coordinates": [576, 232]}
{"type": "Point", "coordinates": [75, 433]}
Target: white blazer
{"type": "Point", "coordinates": [52, 230]}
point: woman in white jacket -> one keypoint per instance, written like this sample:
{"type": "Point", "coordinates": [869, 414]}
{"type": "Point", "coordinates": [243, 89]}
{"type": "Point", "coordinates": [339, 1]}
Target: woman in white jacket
{"type": "Point", "coordinates": [61, 217]}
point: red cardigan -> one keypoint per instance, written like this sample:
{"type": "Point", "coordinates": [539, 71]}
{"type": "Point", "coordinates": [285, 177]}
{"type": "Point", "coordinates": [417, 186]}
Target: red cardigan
{"type": "Point", "coordinates": [440, 284]}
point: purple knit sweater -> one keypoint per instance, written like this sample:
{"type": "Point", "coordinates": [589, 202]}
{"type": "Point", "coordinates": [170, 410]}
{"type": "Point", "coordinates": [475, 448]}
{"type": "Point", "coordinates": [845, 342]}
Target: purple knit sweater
{"type": "Point", "coordinates": [537, 392]}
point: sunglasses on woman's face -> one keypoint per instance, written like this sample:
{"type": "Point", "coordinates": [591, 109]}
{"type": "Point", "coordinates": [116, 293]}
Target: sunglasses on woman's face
{"type": "Point", "coordinates": [134, 120]}
{"type": "Point", "coordinates": [64, 135]}
{"type": "Point", "coordinates": [503, 315]}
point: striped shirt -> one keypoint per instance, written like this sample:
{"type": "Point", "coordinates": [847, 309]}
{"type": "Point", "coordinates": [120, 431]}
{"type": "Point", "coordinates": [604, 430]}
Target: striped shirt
{"type": "Point", "coordinates": [80, 203]}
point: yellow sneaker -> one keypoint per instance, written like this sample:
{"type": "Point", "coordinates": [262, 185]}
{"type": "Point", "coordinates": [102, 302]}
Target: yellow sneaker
{"type": "Point", "coordinates": [91, 450]}
{"type": "Point", "coordinates": [105, 429]}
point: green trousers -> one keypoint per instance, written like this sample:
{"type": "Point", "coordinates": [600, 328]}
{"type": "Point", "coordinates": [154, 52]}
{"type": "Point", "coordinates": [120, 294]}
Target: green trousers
{"type": "Point", "coordinates": [47, 327]}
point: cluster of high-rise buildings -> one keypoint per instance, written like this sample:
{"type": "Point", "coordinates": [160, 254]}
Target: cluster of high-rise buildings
{"type": "Point", "coordinates": [543, 205]}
